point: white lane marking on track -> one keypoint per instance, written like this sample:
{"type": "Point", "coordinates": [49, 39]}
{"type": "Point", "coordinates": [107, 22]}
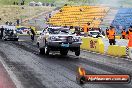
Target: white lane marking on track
{"type": "Point", "coordinates": [21, 40]}
{"type": "Point", "coordinates": [13, 77]}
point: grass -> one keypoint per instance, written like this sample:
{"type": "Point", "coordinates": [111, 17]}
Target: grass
{"type": "Point", "coordinates": [72, 2]}
{"type": "Point", "coordinates": [11, 12]}
{"type": "Point", "coordinates": [10, 2]}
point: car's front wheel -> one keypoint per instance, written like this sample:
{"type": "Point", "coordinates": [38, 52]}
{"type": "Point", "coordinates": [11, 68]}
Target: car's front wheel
{"type": "Point", "coordinates": [37, 44]}
{"type": "Point", "coordinates": [77, 52]}
{"type": "Point", "coordinates": [41, 51]}
{"type": "Point", "coordinates": [5, 39]}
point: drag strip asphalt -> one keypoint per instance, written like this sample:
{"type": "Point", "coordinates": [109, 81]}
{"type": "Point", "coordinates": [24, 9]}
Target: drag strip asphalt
{"type": "Point", "coordinates": [56, 71]}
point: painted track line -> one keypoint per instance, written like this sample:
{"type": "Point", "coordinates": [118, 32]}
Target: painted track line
{"type": "Point", "coordinates": [11, 75]}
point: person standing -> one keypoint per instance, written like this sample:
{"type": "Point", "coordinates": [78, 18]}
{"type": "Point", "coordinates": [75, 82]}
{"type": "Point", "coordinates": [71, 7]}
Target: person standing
{"type": "Point", "coordinates": [123, 34]}
{"type": "Point", "coordinates": [129, 46]}
{"type": "Point", "coordinates": [129, 33]}
{"type": "Point", "coordinates": [77, 31]}
{"type": "Point", "coordinates": [49, 15]}
{"type": "Point", "coordinates": [86, 29]}
{"type": "Point", "coordinates": [18, 22]}
{"type": "Point", "coordinates": [2, 31]}
{"type": "Point", "coordinates": [32, 33]}
{"type": "Point", "coordinates": [7, 23]}
{"type": "Point", "coordinates": [72, 29]}
{"type": "Point", "coordinates": [111, 35]}
{"type": "Point", "coordinates": [10, 23]}
{"type": "Point", "coordinates": [107, 30]}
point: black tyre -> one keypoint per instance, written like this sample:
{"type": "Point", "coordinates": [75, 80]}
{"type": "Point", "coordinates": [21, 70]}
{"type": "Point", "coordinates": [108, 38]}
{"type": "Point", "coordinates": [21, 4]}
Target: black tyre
{"type": "Point", "coordinates": [41, 51]}
{"type": "Point", "coordinates": [37, 44]}
{"type": "Point", "coordinates": [16, 39]}
{"type": "Point", "coordinates": [64, 52]}
{"type": "Point", "coordinates": [5, 39]}
{"type": "Point", "coordinates": [77, 52]}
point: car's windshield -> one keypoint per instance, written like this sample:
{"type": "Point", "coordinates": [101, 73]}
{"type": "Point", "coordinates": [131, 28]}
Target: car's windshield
{"type": "Point", "coordinates": [58, 31]}
{"type": "Point", "coordinates": [53, 31]}
{"type": "Point", "coordinates": [8, 31]}
{"type": "Point", "coordinates": [94, 33]}
{"type": "Point", "coordinates": [64, 31]}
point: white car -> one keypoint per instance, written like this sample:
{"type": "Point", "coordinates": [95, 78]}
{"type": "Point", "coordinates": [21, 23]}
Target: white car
{"type": "Point", "coordinates": [58, 39]}
{"type": "Point", "coordinates": [95, 34]}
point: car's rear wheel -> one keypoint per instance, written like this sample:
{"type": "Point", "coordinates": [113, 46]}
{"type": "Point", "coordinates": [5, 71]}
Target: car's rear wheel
{"type": "Point", "coordinates": [64, 52]}
{"type": "Point", "coordinates": [77, 52]}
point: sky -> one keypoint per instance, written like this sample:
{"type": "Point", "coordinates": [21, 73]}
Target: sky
{"type": "Point", "coordinates": [116, 3]}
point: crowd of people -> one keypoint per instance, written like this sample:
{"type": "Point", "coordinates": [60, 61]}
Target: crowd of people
{"type": "Point", "coordinates": [9, 23]}
{"type": "Point", "coordinates": [125, 35]}
{"type": "Point", "coordinates": [22, 2]}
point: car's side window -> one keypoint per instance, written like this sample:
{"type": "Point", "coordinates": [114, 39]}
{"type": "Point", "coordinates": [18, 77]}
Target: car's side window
{"type": "Point", "coordinates": [44, 31]}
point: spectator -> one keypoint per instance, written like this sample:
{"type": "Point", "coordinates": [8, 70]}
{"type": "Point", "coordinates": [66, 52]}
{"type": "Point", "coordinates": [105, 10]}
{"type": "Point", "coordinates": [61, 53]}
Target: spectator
{"type": "Point", "coordinates": [101, 19]}
{"type": "Point", "coordinates": [10, 23]}
{"type": "Point", "coordinates": [2, 30]}
{"type": "Point", "coordinates": [18, 22]}
{"type": "Point", "coordinates": [65, 5]}
{"type": "Point", "coordinates": [100, 30]}
{"type": "Point", "coordinates": [49, 15]}
{"type": "Point", "coordinates": [107, 30]}
{"type": "Point", "coordinates": [65, 26]}
{"type": "Point", "coordinates": [86, 28]}
{"type": "Point", "coordinates": [111, 35]}
{"type": "Point", "coordinates": [22, 7]}
{"type": "Point", "coordinates": [47, 4]}
{"type": "Point", "coordinates": [72, 29]}
{"type": "Point", "coordinates": [77, 31]}
{"type": "Point", "coordinates": [22, 2]}
{"type": "Point", "coordinates": [52, 4]}
{"type": "Point", "coordinates": [14, 3]}
{"type": "Point", "coordinates": [103, 33]}
{"type": "Point", "coordinates": [123, 34]}
{"type": "Point", "coordinates": [81, 9]}
{"type": "Point", "coordinates": [7, 23]}
{"type": "Point", "coordinates": [43, 4]}
{"type": "Point", "coordinates": [33, 34]}
{"type": "Point", "coordinates": [46, 18]}
{"type": "Point", "coordinates": [60, 10]}
{"type": "Point", "coordinates": [129, 32]}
